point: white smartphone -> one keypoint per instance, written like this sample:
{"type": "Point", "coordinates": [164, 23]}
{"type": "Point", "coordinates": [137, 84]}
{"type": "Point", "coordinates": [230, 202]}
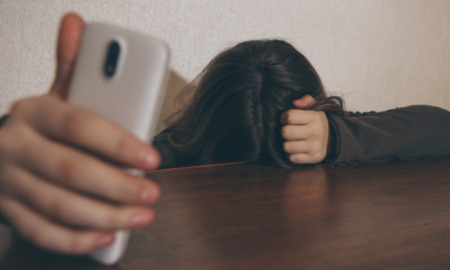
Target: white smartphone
{"type": "Point", "coordinates": [122, 76]}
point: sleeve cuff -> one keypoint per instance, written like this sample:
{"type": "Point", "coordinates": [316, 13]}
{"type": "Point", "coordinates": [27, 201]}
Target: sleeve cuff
{"type": "Point", "coordinates": [3, 119]}
{"type": "Point", "coordinates": [334, 140]}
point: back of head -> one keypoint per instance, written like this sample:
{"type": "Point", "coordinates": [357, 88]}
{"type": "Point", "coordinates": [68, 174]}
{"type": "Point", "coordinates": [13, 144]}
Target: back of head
{"type": "Point", "coordinates": [235, 112]}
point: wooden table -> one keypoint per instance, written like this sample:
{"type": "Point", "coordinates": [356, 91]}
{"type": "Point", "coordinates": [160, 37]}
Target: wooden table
{"type": "Point", "coordinates": [393, 215]}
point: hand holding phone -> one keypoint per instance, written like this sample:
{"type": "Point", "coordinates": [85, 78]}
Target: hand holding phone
{"type": "Point", "coordinates": [61, 187]}
{"type": "Point", "coordinates": [120, 75]}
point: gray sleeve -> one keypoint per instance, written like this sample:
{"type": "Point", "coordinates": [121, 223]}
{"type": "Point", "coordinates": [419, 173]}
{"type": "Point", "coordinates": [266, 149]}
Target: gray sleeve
{"type": "Point", "coordinates": [414, 132]}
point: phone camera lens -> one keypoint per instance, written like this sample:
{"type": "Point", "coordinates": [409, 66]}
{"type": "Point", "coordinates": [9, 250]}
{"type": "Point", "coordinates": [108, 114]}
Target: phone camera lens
{"type": "Point", "coordinates": [112, 58]}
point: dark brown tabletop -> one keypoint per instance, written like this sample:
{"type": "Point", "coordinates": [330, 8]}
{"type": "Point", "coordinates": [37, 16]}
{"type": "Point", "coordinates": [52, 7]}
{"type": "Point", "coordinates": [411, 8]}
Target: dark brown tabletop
{"type": "Point", "coordinates": [393, 215]}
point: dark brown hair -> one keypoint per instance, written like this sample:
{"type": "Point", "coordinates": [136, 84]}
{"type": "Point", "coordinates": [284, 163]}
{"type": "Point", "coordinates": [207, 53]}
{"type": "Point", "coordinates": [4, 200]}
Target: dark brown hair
{"type": "Point", "coordinates": [234, 113]}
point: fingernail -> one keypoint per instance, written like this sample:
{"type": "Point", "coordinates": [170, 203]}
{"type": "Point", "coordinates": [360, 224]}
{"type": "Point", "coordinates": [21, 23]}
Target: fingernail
{"type": "Point", "coordinates": [147, 195]}
{"type": "Point", "coordinates": [140, 220]}
{"type": "Point", "coordinates": [104, 239]}
{"type": "Point", "coordinates": [150, 159]}
{"type": "Point", "coordinates": [300, 101]}
{"type": "Point", "coordinates": [147, 158]}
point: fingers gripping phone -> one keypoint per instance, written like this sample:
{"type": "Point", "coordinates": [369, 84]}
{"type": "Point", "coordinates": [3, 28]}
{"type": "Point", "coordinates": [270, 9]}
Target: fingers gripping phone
{"type": "Point", "coordinates": [122, 76]}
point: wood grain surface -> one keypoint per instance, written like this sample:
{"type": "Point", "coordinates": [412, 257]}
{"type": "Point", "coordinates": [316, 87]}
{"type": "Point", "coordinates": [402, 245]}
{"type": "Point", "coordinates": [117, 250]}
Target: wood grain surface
{"type": "Point", "coordinates": [393, 215]}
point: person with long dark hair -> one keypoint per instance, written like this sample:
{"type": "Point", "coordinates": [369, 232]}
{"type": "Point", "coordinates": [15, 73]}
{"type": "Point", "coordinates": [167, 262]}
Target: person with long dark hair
{"type": "Point", "coordinates": [238, 100]}
{"type": "Point", "coordinates": [243, 110]}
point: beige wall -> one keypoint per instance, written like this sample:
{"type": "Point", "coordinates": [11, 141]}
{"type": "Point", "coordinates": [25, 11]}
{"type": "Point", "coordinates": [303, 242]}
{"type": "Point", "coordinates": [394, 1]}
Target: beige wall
{"type": "Point", "coordinates": [376, 54]}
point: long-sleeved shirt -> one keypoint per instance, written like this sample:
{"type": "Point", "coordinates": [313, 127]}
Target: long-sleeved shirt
{"type": "Point", "coordinates": [414, 132]}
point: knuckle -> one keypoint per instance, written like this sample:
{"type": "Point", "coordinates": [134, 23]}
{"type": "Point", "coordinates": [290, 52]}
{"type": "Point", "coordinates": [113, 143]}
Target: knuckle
{"type": "Point", "coordinates": [20, 107]}
{"type": "Point", "coordinates": [74, 124]}
{"type": "Point", "coordinates": [290, 147]}
{"type": "Point", "coordinates": [125, 147]}
{"type": "Point", "coordinates": [134, 194]}
{"type": "Point", "coordinates": [68, 243]}
{"type": "Point", "coordinates": [116, 218]}
{"type": "Point", "coordinates": [294, 159]}
{"type": "Point", "coordinates": [59, 209]}
{"type": "Point", "coordinates": [70, 169]}
{"type": "Point", "coordinates": [290, 115]}
{"type": "Point", "coordinates": [14, 143]}
{"type": "Point", "coordinates": [76, 245]}
{"type": "Point", "coordinates": [317, 157]}
{"type": "Point", "coordinates": [315, 132]}
{"type": "Point", "coordinates": [286, 147]}
{"type": "Point", "coordinates": [285, 132]}
{"type": "Point", "coordinates": [122, 145]}
{"type": "Point", "coordinates": [25, 107]}
{"type": "Point", "coordinates": [126, 190]}
{"type": "Point", "coordinates": [37, 235]}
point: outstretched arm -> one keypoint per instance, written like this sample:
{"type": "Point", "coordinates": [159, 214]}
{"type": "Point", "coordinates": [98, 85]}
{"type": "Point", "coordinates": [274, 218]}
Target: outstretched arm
{"type": "Point", "coordinates": [414, 132]}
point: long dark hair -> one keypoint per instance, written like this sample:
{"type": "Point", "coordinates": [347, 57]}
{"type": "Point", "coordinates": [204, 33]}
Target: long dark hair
{"type": "Point", "coordinates": [234, 113]}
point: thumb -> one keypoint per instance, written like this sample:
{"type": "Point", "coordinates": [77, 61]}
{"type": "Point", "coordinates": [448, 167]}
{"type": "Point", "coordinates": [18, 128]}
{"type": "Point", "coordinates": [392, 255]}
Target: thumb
{"type": "Point", "coordinates": [70, 33]}
{"type": "Point", "coordinates": [304, 102]}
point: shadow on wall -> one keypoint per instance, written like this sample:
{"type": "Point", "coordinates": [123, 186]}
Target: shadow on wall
{"type": "Point", "coordinates": [171, 104]}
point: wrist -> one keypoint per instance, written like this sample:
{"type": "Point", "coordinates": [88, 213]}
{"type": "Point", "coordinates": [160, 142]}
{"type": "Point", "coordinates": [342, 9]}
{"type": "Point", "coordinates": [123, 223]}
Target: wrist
{"type": "Point", "coordinates": [331, 146]}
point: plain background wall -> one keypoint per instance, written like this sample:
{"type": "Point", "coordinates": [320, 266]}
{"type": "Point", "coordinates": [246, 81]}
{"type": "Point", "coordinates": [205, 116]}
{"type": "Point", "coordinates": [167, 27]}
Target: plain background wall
{"type": "Point", "coordinates": [376, 54]}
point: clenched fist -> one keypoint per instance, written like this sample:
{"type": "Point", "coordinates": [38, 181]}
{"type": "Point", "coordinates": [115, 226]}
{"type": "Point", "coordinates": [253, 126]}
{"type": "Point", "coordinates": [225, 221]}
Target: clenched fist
{"type": "Point", "coordinates": [306, 132]}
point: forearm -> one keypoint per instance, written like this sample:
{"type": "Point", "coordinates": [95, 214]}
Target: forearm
{"type": "Point", "coordinates": [413, 132]}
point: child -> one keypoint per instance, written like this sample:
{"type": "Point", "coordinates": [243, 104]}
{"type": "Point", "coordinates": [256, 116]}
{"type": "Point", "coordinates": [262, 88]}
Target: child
{"type": "Point", "coordinates": [245, 108]}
